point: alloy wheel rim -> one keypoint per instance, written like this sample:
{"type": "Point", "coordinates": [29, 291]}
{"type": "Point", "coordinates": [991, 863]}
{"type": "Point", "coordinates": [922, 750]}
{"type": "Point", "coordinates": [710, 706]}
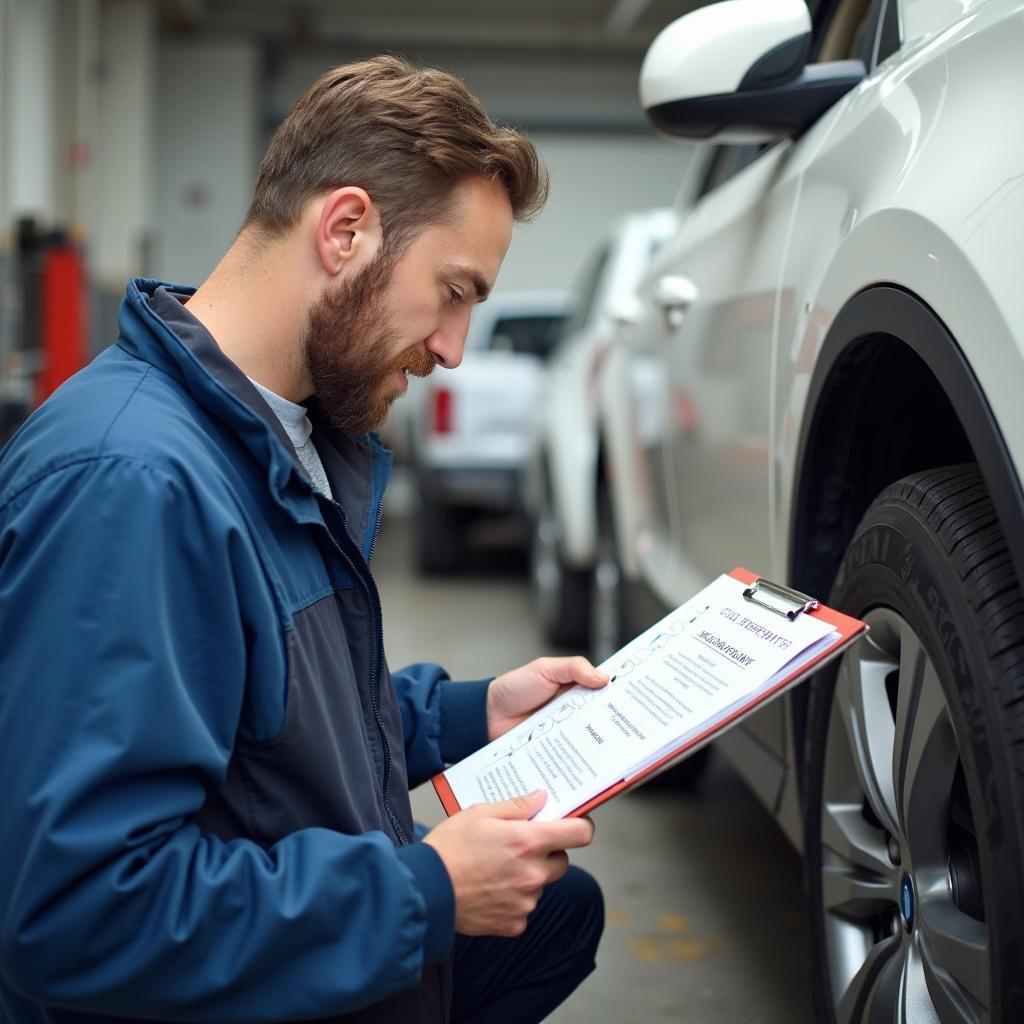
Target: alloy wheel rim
{"type": "Point", "coordinates": [904, 925]}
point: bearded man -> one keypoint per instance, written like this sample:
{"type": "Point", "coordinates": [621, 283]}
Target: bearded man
{"type": "Point", "coordinates": [206, 762]}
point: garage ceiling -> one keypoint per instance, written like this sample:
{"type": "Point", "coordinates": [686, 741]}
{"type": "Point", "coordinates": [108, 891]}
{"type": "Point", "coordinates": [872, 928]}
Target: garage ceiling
{"type": "Point", "coordinates": [543, 65]}
{"type": "Point", "coordinates": [584, 27]}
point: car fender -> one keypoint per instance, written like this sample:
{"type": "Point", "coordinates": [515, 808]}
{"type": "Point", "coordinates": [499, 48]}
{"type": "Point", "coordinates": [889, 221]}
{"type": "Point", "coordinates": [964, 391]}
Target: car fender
{"type": "Point", "coordinates": [918, 186]}
{"type": "Point", "coordinates": [980, 367]}
{"type": "Point", "coordinates": [927, 310]}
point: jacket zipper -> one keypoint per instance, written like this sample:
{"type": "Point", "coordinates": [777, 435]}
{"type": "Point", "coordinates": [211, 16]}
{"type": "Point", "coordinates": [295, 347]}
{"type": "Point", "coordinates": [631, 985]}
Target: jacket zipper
{"type": "Point", "coordinates": [373, 539]}
{"type": "Point", "coordinates": [375, 673]}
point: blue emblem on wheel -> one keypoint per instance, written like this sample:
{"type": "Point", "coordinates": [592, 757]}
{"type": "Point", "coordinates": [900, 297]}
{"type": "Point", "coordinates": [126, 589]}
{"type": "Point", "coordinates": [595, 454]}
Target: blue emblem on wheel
{"type": "Point", "coordinates": [907, 902]}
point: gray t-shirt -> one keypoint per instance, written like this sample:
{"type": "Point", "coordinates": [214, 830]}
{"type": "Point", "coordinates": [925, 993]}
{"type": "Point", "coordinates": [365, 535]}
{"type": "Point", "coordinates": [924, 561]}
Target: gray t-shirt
{"type": "Point", "coordinates": [299, 430]}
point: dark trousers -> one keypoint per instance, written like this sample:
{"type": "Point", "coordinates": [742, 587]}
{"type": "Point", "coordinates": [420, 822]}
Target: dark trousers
{"type": "Point", "coordinates": [521, 980]}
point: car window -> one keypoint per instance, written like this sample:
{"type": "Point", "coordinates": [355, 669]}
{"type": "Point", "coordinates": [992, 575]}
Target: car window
{"type": "Point", "coordinates": [867, 30]}
{"type": "Point", "coordinates": [890, 38]}
{"type": "Point", "coordinates": [841, 30]}
{"type": "Point", "coordinates": [526, 335]}
{"type": "Point", "coordinates": [727, 161]}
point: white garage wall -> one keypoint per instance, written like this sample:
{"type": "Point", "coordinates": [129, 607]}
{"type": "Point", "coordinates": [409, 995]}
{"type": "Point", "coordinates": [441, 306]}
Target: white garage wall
{"type": "Point", "coordinates": [28, 56]}
{"type": "Point", "coordinates": [122, 217]}
{"type": "Point", "coordinates": [595, 180]}
{"type": "Point", "coordinates": [584, 115]}
{"type": "Point", "coordinates": [212, 129]}
{"type": "Point", "coordinates": [208, 123]}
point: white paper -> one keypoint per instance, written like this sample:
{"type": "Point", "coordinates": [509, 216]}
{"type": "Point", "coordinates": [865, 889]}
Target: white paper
{"type": "Point", "coordinates": [691, 670]}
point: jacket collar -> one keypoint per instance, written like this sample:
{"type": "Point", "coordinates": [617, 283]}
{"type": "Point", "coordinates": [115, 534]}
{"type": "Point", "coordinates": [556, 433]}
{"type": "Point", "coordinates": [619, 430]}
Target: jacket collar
{"type": "Point", "coordinates": [357, 468]}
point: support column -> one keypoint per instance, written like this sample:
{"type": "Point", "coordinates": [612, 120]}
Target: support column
{"type": "Point", "coordinates": [28, 57]}
{"type": "Point", "coordinates": [123, 163]}
{"type": "Point", "coordinates": [77, 115]}
{"type": "Point", "coordinates": [207, 160]}
{"type": "Point", "coordinates": [29, 62]}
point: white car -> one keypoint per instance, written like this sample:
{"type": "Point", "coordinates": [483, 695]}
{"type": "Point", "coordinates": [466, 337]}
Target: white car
{"type": "Point", "coordinates": [468, 429]}
{"type": "Point", "coordinates": [560, 477]}
{"type": "Point", "coordinates": [826, 387]}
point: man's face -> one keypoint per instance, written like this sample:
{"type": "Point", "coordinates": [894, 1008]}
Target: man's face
{"type": "Point", "coordinates": [396, 317]}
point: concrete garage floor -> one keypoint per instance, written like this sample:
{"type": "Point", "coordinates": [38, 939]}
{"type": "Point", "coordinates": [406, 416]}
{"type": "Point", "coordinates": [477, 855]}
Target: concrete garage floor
{"type": "Point", "coordinates": [703, 893]}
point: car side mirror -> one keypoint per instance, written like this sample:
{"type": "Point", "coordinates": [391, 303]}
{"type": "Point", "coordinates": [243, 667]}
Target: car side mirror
{"type": "Point", "coordinates": [737, 71]}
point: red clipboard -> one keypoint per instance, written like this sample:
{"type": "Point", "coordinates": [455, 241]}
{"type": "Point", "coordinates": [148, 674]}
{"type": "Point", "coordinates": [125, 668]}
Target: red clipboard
{"type": "Point", "coordinates": [848, 630]}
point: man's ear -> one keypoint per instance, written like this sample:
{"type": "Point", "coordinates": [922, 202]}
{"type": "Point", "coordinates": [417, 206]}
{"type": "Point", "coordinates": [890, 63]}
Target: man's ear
{"type": "Point", "coordinates": [349, 226]}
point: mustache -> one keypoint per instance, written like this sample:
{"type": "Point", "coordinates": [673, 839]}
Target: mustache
{"type": "Point", "coordinates": [416, 361]}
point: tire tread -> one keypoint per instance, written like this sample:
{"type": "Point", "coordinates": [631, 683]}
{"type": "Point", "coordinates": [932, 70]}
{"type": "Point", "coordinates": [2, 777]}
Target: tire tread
{"type": "Point", "coordinates": [949, 510]}
{"type": "Point", "coordinates": [954, 501]}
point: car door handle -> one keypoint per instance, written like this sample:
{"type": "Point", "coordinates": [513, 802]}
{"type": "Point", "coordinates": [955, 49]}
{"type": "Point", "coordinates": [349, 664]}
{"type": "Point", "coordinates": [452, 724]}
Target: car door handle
{"type": "Point", "coordinates": [675, 293]}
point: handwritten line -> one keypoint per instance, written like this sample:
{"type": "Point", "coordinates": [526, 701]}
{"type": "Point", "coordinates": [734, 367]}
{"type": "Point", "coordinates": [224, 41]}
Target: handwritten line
{"type": "Point", "coordinates": [722, 654]}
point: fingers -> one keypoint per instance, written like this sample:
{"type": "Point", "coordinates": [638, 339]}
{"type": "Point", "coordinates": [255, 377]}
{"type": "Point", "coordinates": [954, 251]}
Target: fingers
{"type": "Point", "coordinates": [519, 807]}
{"type": "Point", "coordinates": [563, 834]}
{"type": "Point", "coordinates": [567, 834]}
{"type": "Point", "coordinates": [553, 867]}
{"type": "Point", "coordinates": [573, 670]}
{"type": "Point", "coordinates": [587, 675]}
{"type": "Point", "coordinates": [558, 864]}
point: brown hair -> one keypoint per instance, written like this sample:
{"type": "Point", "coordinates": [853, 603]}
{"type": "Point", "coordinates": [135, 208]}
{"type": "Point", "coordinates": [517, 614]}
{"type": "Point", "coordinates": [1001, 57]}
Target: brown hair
{"type": "Point", "coordinates": [407, 135]}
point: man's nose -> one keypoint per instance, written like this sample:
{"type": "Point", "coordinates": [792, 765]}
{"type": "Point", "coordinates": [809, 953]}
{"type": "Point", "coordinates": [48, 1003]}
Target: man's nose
{"type": "Point", "coordinates": [446, 346]}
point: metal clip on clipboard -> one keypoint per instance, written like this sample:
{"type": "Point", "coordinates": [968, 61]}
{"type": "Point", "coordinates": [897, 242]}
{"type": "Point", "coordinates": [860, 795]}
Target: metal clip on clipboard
{"type": "Point", "coordinates": [779, 599]}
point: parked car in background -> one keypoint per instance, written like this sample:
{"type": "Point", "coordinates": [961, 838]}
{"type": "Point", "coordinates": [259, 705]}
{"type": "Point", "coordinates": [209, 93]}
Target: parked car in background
{"type": "Point", "coordinates": [468, 429]}
{"type": "Point", "coordinates": [560, 477]}
{"type": "Point", "coordinates": [825, 388]}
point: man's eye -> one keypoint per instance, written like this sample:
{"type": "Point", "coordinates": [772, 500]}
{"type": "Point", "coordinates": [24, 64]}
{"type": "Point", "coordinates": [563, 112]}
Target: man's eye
{"type": "Point", "coordinates": [454, 297]}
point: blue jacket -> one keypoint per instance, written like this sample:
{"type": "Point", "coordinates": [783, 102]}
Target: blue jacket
{"type": "Point", "coordinates": [205, 761]}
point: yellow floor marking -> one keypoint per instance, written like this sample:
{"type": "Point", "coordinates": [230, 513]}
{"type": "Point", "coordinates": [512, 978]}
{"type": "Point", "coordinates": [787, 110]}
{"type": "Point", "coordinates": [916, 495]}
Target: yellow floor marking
{"type": "Point", "coordinates": [650, 950]}
{"type": "Point", "coordinates": [694, 949]}
{"type": "Point", "coordinates": [673, 923]}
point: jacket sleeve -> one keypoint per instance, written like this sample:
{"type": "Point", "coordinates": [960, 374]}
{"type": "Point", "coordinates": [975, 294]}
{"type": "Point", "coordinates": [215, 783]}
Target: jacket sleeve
{"type": "Point", "coordinates": [124, 643]}
{"type": "Point", "coordinates": [443, 721]}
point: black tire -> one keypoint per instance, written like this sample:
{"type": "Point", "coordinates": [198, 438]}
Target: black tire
{"type": "Point", "coordinates": [914, 771]}
{"type": "Point", "coordinates": [439, 537]}
{"type": "Point", "coordinates": [561, 594]}
{"type": "Point", "coordinates": [610, 626]}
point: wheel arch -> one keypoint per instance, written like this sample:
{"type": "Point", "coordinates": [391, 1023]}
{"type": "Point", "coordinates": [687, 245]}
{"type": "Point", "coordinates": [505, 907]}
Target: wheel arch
{"type": "Point", "coordinates": [860, 436]}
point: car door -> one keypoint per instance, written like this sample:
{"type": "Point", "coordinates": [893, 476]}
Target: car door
{"type": "Point", "coordinates": [721, 293]}
{"type": "Point", "coordinates": [714, 304]}
{"type": "Point", "coordinates": [719, 296]}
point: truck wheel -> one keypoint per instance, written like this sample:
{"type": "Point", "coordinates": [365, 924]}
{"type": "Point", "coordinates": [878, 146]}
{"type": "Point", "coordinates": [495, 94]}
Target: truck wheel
{"type": "Point", "coordinates": [439, 539]}
{"type": "Point", "coordinates": [914, 781]}
{"type": "Point", "coordinates": [562, 594]}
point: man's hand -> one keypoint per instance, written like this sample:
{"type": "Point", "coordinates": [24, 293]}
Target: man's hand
{"type": "Point", "coordinates": [517, 694]}
{"type": "Point", "coordinates": [499, 862]}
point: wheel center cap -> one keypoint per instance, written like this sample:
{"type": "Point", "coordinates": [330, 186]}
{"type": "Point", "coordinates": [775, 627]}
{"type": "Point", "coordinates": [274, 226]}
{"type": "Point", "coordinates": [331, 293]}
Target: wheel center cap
{"type": "Point", "coordinates": [907, 902]}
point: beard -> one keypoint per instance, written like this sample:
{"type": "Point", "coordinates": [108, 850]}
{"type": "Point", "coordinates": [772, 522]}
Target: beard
{"type": "Point", "coordinates": [348, 337]}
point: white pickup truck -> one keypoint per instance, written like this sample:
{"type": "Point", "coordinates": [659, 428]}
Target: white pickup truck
{"type": "Point", "coordinates": [467, 430]}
